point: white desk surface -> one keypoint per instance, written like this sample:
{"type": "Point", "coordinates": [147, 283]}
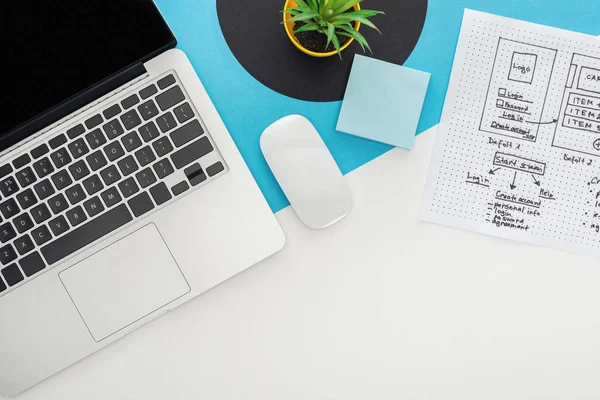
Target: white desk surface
{"type": "Point", "coordinates": [380, 306]}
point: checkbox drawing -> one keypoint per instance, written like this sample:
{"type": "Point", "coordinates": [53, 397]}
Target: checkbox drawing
{"type": "Point", "coordinates": [500, 103]}
{"type": "Point", "coordinates": [502, 92]}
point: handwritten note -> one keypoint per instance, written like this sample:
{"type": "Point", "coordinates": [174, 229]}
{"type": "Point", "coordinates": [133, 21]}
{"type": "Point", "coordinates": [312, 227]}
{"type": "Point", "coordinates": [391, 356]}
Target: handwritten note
{"type": "Point", "coordinates": [518, 148]}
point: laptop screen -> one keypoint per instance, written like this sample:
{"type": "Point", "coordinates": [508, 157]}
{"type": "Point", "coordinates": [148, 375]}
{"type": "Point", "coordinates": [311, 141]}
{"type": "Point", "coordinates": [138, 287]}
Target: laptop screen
{"type": "Point", "coordinates": [53, 51]}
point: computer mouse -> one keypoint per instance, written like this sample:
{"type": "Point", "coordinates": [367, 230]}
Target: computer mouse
{"type": "Point", "coordinates": [306, 172]}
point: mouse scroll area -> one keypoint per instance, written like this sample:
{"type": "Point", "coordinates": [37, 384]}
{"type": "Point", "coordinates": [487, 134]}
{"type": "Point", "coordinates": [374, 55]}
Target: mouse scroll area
{"type": "Point", "coordinates": [124, 283]}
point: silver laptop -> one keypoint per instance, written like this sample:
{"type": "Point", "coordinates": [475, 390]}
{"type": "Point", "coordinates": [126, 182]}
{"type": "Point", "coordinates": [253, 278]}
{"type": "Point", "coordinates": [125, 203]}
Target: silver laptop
{"type": "Point", "coordinates": [122, 193]}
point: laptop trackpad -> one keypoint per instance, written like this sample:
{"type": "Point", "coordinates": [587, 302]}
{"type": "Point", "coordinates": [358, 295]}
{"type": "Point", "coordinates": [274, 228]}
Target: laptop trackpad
{"type": "Point", "coordinates": [124, 282]}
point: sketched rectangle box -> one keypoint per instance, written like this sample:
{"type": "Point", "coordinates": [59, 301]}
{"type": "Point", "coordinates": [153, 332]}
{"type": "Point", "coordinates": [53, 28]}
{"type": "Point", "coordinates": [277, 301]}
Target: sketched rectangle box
{"type": "Point", "coordinates": [522, 67]}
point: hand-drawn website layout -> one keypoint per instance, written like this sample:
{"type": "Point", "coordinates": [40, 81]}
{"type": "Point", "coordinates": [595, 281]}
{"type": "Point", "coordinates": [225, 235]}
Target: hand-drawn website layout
{"type": "Point", "coordinates": [518, 148]}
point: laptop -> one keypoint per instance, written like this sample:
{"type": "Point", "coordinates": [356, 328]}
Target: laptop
{"type": "Point", "coordinates": [122, 195]}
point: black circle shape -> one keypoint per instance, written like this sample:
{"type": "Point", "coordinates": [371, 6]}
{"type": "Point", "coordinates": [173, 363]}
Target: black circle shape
{"type": "Point", "coordinates": [256, 37]}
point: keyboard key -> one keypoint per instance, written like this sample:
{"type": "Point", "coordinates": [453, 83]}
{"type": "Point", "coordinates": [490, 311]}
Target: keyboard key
{"type": "Point", "coordinates": [166, 122]}
{"type": "Point", "coordinates": [59, 225]}
{"type": "Point", "coordinates": [187, 133]}
{"type": "Point", "coordinates": [162, 146]}
{"type": "Point", "coordinates": [79, 170]}
{"type": "Point", "coordinates": [96, 160]}
{"type": "Point", "coordinates": [114, 151]}
{"type": "Point", "coordinates": [180, 188]}
{"type": "Point", "coordinates": [23, 223]}
{"type": "Point", "coordinates": [7, 233]}
{"type": "Point", "coordinates": [170, 98]}
{"type": "Point", "coordinates": [2, 286]}
{"type": "Point", "coordinates": [26, 177]}
{"type": "Point", "coordinates": [58, 141]}
{"type": "Point", "coordinates": [43, 167]}
{"type": "Point", "coordinates": [24, 245]}
{"type": "Point", "coordinates": [5, 170]}
{"type": "Point", "coordinates": [113, 129]}
{"type": "Point", "coordinates": [60, 158]}
{"type": "Point", "coordinates": [195, 174]}
{"type": "Point", "coordinates": [166, 81]}
{"type": "Point", "coordinates": [110, 175]}
{"type": "Point", "coordinates": [32, 264]}
{"type": "Point", "coordinates": [191, 153]}
{"type": "Point", "coordinates": [145, 156]}
{"type": "Point", "coordinates": [86, 234]}
{"type": "Point", "coordinates": [75, 194]}
{"type": "Point", "coordinates": [93, 185]}
{"type": "Point", "coordinates": [12, 275]}
{"type": "Point", "coordinates": [130, 119]}
{"type": "Point", "coordinates": [141, 204]}
{"type": "Point", "coordinates": [215, 169]}
{"type": "Point", "coordinates": [130, 101]}
{"type": "Point", "coordinates": [40, 151]}
{"type": "Point", "coordinates": [163, 168]}
{"type": "Point", "coordinates": [44, 189]}
{"type": "Point", "coordinates": [183, 112]}
{"type": "Point", "coordinates": [149, 132]}
{"type": "Point", "coordinates": [76, 216]}
{"type": "Point", "coordinates": [128, 166]}
{"type": "Point", "coordinates": [95, 138]}
{"type": "Point", "coordinates": [128, 187]}
{"type": "Point", "coordinates": [78, 148]}
{"type": "Point", "coordinates": [93, 206]}
{"type": "Point", "coordinates": [58, 204]}
{"type": "Point", "coordinates": [131, 141]}
{"type": "Point", "coordinates": [40, 213]}
{"type": "Point", "coordinates": [8, 186]}
{"type": "Point", "coordinates": [111, 197]}
{"type": "Point", "coordinates": [41, 235]}
{"type": "Point", "coordinates": [145, 178]}
{"type": "Point", "coordinates": [75, 131]}
{"type": "Point", "coordinates": [94, 121]}
{"type": "Point", "coordinates": [21, 161]}
{"type": "Point", "coordinates": [148, 110]}
{"type": "Point", "coordinates": [62, 179]}
{"type": "Point", "coordinates": [26, 199]}
{"type": "Point", "coordinates": [160, 193]}
{"type": "Point", "coordinates": [9, 208]}
{"type": "Point", "coordinates": [112, 111]}
{"type": "Point", "coordinates": [147, 92]}
{"type": "Point", "coordinates": [7, 255]}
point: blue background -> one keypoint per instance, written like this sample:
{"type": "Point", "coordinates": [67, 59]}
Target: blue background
{"type": "Point", "coordinates": [248, 107]}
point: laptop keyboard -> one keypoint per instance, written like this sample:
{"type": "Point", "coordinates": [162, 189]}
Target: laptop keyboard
{"type": "Point", "coordinates": [100, 175]}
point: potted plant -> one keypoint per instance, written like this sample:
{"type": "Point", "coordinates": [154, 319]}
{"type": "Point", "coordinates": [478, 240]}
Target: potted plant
{"type": "Point", "coordinates": [323, 28]}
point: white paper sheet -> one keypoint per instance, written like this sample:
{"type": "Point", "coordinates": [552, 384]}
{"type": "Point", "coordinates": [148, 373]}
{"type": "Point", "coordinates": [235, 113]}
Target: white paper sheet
{"type": "Point", "coordinates": [518, 148]}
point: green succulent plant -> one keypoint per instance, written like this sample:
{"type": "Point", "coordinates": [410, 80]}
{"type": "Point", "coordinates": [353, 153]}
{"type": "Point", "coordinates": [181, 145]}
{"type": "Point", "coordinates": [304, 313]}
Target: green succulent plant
{"type": "Point", "coordinates": [333, 18]}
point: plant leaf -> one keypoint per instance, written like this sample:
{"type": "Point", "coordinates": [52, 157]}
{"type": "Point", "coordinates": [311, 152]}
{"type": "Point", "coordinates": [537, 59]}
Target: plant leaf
{"type": "Point", "coordinates": [357, 36]}
{"type": "Point", "coordinates": [304, 16]}
{"type": "Point", "coordinates": [330, 34]}
{"type": "Point", "coordinates": [313, 26]}
{"type": "Point", "coordinates": [314, 5]}
{"type": "Point", "coordinates": [352, 37]}
{"type": "Point", "coordinates": [336, 44]}
{"type": "Point", "coordinates": [345, 5]}
{"type": "Point", "coordinates": [349, 18]}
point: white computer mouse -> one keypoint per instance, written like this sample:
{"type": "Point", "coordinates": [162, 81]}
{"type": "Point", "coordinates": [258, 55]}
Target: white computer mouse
{"type": "Point", "coordinates": [306, 172]}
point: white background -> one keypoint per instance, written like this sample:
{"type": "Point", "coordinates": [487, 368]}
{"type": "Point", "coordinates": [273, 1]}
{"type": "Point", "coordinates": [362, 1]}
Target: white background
{"type": "Point", "coordinates": [380, 306]}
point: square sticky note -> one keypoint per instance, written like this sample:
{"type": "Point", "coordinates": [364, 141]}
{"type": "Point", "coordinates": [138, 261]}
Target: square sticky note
{"type": "Point", "coordinates": [383, 102]}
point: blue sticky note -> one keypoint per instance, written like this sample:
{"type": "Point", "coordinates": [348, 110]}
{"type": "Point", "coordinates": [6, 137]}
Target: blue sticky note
{"type": "Point", "coordinates": [383, 102]}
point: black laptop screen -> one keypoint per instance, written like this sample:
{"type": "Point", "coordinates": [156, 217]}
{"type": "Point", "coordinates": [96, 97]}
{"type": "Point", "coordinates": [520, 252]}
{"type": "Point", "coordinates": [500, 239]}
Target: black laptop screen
{"type": "Point", "coordinates": [53, 50]}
